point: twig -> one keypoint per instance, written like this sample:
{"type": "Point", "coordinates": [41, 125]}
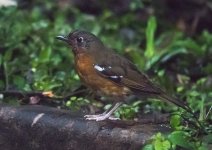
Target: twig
{"type": "Point", "coordinates": [21, 93]}
{"type": "Point", "coordinates": [208, 112]}
{"type": "Point", "coordinates": [46, 96]}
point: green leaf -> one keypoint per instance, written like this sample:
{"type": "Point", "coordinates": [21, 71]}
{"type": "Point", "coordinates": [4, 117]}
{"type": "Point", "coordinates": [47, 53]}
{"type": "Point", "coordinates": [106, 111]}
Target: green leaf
{"type": "Point", "coordinates": [194, 93]}
{"type": "Point", "coordinates": [45, 54]}
{"type": "Point", "coordinates": [173, 53]}
{"type": "Point", "coordinates": [166, 145]}
{"type": "Point", "coordinates": [160, 143]}
{"type": "Point", "coordinates": [180, 89]}
{"type": "Point", "coordinates": [181, 139]}
{"type": "Point", "coordinates": [148, 147]}
{"type": "Point", "coordinates": [8, 55]}
{"type": "Point", "coordinates": [150, 31]}
{"type": "Point", "coordinates": [175, 121]}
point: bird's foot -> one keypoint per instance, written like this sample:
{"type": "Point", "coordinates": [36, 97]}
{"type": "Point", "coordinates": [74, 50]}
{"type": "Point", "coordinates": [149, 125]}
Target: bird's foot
{"type": "Point", "coordinates": [100, 117]}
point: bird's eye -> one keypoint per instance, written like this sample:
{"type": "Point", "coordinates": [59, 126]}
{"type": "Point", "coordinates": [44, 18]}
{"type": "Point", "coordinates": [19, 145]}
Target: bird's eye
{"type": "Point", "coordinates": [80, 39]}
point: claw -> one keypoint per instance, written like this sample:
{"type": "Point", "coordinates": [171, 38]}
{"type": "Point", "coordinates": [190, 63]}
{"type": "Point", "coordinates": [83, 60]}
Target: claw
{"type": "Point", "coordinates": [106, 115]}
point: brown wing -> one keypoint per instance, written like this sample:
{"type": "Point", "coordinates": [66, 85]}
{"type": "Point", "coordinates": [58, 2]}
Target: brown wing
{"type": "Point", "coordinates": [123, 72]}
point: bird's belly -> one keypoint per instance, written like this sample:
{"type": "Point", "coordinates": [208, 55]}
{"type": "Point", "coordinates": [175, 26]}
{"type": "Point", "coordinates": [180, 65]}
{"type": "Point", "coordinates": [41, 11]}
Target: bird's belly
{"type": "Point", "coordinates": [105, 86]}
{"type": "Point", "coordinates": [93, 80]}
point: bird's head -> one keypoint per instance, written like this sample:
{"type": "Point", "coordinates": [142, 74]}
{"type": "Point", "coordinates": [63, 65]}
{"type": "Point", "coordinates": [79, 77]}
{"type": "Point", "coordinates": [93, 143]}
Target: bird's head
{"type": "Point", "coordinates": [81, 41]}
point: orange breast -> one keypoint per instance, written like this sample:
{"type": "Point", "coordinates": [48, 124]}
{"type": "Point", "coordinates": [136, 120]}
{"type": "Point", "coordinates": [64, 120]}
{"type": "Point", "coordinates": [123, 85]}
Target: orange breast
{"type": "Point", "coordinates": [87, 73]}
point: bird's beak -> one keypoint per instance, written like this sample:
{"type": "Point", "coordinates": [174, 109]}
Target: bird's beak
{"type": "Point", "coordinates": [62, 38]}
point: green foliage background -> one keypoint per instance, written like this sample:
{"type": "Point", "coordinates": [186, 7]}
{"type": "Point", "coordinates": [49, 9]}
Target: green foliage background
{"type": "Point", "coordinates": [31, 59]}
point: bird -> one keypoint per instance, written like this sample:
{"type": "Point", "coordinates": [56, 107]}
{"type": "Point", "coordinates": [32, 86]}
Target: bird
{"type": "Point", "coordinates": [108, 73]}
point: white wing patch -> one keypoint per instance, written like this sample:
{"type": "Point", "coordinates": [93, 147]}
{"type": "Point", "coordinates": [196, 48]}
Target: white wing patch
{"type": "Point", "coordinates": [102, 69]}
{"type": "Point", "coordinates": [97, 67]}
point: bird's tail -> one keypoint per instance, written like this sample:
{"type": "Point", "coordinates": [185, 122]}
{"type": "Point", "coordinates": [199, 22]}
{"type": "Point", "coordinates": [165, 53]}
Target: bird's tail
{"type": "Point", "coordinates": [181, 104]}
{"type": "Point", "coordinates": [176, 101]}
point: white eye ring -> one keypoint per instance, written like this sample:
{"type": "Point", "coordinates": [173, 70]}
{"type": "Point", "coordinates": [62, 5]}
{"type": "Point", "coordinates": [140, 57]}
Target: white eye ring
{"type": "Point", "coordinates": [80, 39]}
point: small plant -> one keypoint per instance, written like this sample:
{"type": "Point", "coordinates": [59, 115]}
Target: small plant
{"type": "Point", "coordinates": [76, 103]}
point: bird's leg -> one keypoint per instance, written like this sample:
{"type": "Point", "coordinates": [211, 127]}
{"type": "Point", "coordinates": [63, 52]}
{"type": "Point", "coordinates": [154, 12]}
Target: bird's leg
{"type": "Point", "coordinates": [106, 115]}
